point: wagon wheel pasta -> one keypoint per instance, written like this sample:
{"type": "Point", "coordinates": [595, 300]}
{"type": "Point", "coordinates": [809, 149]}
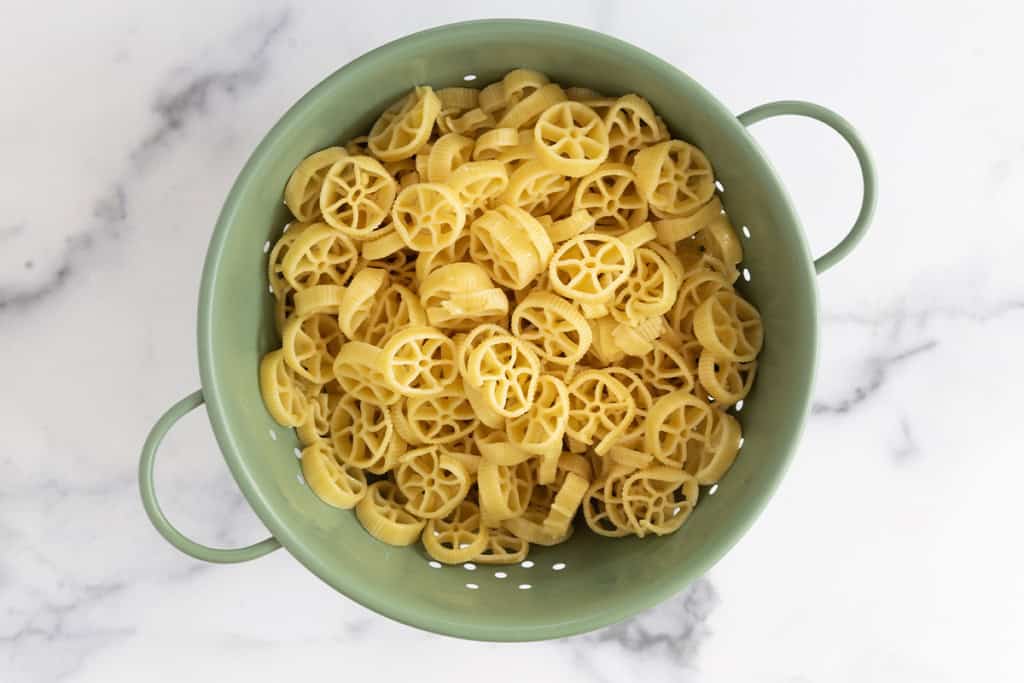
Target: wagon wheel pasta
{"type": "Point", "coordinates": [356, 195]}
{"type": "Point", "coordinates": [612, 198]}
{"type": "Point", "coordinates": [302, 193]}
{"type": "Point", "coordinates": [506, 309]}
{"type": "Point", "coordinates": [458, 537]}
{"type": "Point", "coordinates": [405, 126]}
{"type": "Point", "coordinates": [336, 482]}
{"type": "Point", "coordinates": [317, 255]}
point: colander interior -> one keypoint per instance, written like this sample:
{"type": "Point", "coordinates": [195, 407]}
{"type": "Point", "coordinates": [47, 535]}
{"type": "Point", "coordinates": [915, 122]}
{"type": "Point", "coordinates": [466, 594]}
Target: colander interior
{"type": "Point", "coordinates": [590, 581]}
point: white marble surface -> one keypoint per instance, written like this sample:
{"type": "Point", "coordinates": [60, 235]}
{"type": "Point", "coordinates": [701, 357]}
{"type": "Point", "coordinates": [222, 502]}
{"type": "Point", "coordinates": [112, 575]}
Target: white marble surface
{"type": "Point", "coordinates": [893, 550]}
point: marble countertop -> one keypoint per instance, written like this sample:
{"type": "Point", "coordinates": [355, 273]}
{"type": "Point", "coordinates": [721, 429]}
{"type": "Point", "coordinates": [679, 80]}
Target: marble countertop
{"type": "Point", "coordinates": [892, 551]}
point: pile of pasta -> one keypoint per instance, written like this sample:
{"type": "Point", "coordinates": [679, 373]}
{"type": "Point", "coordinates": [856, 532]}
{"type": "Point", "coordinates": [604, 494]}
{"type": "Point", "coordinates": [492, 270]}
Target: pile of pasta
{"type": "Point", "coordinates": [506, 308]}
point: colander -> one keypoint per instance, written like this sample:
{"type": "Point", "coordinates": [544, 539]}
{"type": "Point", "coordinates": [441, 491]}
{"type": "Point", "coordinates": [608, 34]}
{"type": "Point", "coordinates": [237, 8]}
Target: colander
{"type": "Point", "coordinates": [591, 581]}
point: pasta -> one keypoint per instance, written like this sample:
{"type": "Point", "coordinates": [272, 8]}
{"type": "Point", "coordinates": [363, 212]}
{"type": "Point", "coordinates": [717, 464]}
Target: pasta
{"type": "Point", "coordinates": [503, 310]}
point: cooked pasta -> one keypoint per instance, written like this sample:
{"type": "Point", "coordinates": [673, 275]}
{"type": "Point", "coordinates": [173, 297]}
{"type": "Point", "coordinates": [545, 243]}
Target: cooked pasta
{"type": "Point", "coordinates": [507, 309]}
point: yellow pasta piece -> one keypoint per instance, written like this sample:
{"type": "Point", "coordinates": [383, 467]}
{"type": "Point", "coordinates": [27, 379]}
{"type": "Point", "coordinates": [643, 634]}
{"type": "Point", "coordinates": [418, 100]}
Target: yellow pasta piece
{"type": "Point", "coordinates": [604, 349]}
{"type": "Point", "coordinates": [458, 98]}
{"type": "Point", "coordinates": [317, 424]}
{"type": "Point", "coordinates": [490, 144]}
{"type": "Point", "coordinates": [318, 299]}
{"type": "Point", "coordinates": [566, 503]}
{"type": "Point", "coordinates": [535, 188]}
{"type": "Point", "coordinates": [446, 295]}
{"type": "Point", "coordinates": [613, 199]}
{"type": "Point", "coordinates": [275, 264]}
{"type": "Point", "coordinates": [553, 326]}
{"type": "Point", "coordinates": [394, 308]}
{"type": "Point", "coordinates": [513, 158]}
{"type": "Point", "coordinates": [333, 481]}
{"type": "Point", "coordinates": [470, 123]}
{"type": "Point", "coordinates": [602, 506]}
{"type": "Point", "coordinates": [310, 344]}
{"type": "Point", "coordinates": [318, 255]}
{"type": "Point", "coordinates": [658, 500]}
{"type": "Point", "coordinates": [718, 456]}
{"type": "Point", "coordinates": [637, 339]}
{"type": "Point", "coordinates": [356, 196]}
{"type": "Point", "coordinates": [524, 113]}
{"type": "Point", "coordinates": [496, 448]}
{"type": "Point", "coordinates": [418, 361]}
{"type": "Point", "coordinates": [428, 216]}
{"type": "Point", "coordinates": [384, 246]}
{"type": "Point", "coordinates": [458, 537]}
{"type": "Point", "coordinates": [590, 267]}
{"type": "Point", "coordinates": [478, 184]}
{"type": "Point", "coordinates": [302, 193]}
{"type": "Point", "coordinates": [405, 126]}
{"type": "Point", "coordinates": [638, 236]}
{"type": "Point", "coordinates": [628, 457]}
{"type": "Point", "coordinates": [664, 369]}
{"type": "Point", "coordinates": [382, 513]}
{"type": "Point", "coordinates": [483, 409]}
{"type": "Point", "coordinates": [695, 290]}
{"type": "Point", "coordinates": [433, 482]}
{"type": "Point", "coordinates": [678, 428]}
{"type": "Point", "coordinates": [467, 343]}
{"type": "Point", "coordinates": [364, 435]}
{"type": "Point", "coordinates": [530, 527]}
{"type": "Point", "coordinates": [511, 245]}
{"type": "Point", "coordinates": [505, 371]}
{"type": "Point", "coordinates": [571, 139]}
{"type": "Point", "coordinates": [282, 390]}
{"type": "Point", "coordinates": [440, 419]}
{"type": "Point", "coordinates": [633, 436]}
{"type": "Point", "coordinates": [580, 221]}
{"type": "Point", "coordinates": [540, 429]}
{"type": "Point", "coordinates": [429, 261]}
{"type": "Point", "coordinates": [448, 153]}
{"type": "Point", "coordinates": [356, 369]}
{"type": "Point", "coordinates": [727, 381]}
{"type": "Point", "coordinates": [675, 177]}
{"type": "Point", "coordinates": [729, 326]}
{"type": "Point", "coordinates": [601, 409]}
{"type": "Point", "coordinates": [673, 230]}
{"type": "Point", "coordinates": [632, 125]}
{"type": "Point", "coordinates": [503, 547]}
{"type": "Point", "coordinates": [357, 300]}
{"type": "Point", "coordinates": [504, 490]}
{"type": "Point", "coordinates": [720, 240]}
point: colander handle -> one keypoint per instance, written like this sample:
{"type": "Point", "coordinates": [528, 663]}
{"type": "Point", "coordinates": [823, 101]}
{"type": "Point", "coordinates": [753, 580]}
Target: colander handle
{"type": "Point", "coordinates": [156, 515]}
{"type": "Point", "coordinates": [867, 168]}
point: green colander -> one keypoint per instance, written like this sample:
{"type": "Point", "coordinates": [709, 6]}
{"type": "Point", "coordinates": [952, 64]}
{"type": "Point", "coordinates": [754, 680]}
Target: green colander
{"type": "Point", "coordinates": [591, 581]}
